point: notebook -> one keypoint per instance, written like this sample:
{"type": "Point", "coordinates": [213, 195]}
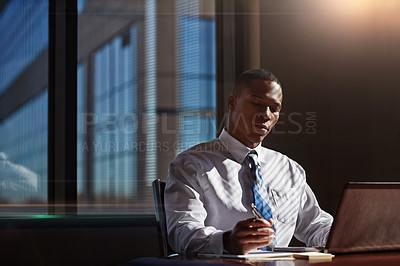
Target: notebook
{"type": "Point", "coordinates": [367, 219]}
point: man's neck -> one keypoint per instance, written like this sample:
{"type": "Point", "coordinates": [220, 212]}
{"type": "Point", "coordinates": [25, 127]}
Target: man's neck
{"type": "Point", "coordinates": [242, 139]}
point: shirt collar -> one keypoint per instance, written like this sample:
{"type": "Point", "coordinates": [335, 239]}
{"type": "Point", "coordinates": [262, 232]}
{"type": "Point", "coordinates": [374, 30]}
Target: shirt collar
{"type": "Point", "coordinates": [238, 150]}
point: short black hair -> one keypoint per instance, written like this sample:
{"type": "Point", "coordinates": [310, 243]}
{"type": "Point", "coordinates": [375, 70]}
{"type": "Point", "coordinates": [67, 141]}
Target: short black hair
{"type": "Point", "coordinates": [247, 77]}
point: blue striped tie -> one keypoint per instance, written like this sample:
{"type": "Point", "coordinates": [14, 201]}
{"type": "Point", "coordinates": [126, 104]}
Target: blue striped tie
{"type": "Point", "coordinates": [261, 202]}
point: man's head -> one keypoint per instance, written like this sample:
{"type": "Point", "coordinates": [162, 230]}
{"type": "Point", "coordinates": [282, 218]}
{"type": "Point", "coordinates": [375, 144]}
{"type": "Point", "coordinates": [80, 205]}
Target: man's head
{"type": "Point", "coordinates": [254, 106]}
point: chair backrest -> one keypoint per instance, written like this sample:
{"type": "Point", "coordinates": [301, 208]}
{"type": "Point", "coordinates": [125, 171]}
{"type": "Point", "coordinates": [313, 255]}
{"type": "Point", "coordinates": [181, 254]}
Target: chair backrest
{"type": "Point", "coordinates": [158, 193]}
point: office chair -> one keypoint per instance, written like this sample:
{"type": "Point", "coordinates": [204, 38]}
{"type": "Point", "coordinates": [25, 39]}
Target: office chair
{"type": "Point", "coordinates": [158, 194]}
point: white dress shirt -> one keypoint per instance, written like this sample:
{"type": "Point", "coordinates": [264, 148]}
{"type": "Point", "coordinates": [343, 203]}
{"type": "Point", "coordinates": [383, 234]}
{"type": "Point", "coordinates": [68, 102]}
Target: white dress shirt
{"type": "Point", "coordinates": [209, 189]}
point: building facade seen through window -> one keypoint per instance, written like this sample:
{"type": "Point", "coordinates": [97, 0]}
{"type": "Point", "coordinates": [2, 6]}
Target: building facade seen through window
{"type": "Point", "coordinates": [146, 91]}
{"type": "Point", "coordinates": [23, 100]}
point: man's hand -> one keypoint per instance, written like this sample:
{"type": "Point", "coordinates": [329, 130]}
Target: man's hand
{"type": "Point", "coordinates": [249, 234]}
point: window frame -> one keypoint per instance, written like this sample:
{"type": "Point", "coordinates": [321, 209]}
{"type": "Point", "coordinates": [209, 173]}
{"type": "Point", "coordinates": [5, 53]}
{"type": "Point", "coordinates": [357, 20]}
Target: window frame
{"type": "Point", "coordinates": [62, 106]}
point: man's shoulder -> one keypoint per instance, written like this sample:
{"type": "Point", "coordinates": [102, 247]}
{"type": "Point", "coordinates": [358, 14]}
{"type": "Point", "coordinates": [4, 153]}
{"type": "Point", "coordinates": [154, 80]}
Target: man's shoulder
{"type": "Point", "coordinates": [271, 154]}
{"type": "Point", "coordinates": [213, 147]}
{"type": "Point", "coordinates": [268, 152]}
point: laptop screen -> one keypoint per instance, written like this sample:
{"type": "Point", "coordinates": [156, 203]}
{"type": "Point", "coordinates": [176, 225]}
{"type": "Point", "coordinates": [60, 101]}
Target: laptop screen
{"type": "Point", "coordinates": [367, 219]}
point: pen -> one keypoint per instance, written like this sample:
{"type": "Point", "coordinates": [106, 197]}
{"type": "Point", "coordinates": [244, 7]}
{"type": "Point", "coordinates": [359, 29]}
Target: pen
{"type": "Point", "coordinates": [257, 213]}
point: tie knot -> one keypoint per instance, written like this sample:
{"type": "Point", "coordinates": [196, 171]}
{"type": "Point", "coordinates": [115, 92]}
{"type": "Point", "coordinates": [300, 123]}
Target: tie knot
{"type": "Point", "coordinates": [253, 158]}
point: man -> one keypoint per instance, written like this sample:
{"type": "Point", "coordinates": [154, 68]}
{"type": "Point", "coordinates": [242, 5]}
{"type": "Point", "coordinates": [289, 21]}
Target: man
{"type": "Point", "coordinates": [210, 187]}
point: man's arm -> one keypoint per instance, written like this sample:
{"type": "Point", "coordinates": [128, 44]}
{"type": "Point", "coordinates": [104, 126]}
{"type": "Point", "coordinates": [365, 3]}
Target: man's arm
{"type": "Point", "coordinates": [313, 224]}
{"type": "Point", "coordinates": [186, 214]}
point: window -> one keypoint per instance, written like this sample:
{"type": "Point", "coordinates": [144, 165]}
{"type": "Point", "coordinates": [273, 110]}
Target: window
{"type": "Point", "coordinates": [196, 96]}
{"type": "Point", "coordinates": [23, 101]}
{"type": "Point", "coordinates": [146, 91]}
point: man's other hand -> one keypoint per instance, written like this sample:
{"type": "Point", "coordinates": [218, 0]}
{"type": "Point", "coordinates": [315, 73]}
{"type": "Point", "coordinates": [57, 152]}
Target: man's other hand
{"type": "Point", "coordinates": [247, 235]}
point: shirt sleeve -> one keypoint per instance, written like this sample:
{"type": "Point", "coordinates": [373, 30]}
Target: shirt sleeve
{"type": "Point", "coordinates": [313, 224]}
{"type": "Point", "coordinates": [185, 212]}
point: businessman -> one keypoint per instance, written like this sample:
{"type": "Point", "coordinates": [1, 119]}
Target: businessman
{"type": "Point", "coordinates": [212, 186]}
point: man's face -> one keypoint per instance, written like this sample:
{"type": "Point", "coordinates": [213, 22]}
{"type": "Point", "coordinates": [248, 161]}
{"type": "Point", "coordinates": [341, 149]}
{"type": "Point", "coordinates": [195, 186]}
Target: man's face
{"type": "Point", "coordinates": [254, 111]}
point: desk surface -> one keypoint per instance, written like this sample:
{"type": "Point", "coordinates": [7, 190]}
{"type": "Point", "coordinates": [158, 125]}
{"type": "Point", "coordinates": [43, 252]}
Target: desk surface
{"type": "Point", "coordinates": [368, 259]}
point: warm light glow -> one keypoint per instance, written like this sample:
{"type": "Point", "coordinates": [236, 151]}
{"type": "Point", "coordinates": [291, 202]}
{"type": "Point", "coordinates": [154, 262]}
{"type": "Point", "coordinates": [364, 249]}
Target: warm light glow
{"type": "Point", "coordinates": [359, 6]}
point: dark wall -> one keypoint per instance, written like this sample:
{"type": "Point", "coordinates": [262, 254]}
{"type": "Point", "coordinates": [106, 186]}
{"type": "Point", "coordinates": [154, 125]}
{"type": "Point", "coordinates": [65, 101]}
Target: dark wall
{"type": "Point", "coordinates": [339, 64]}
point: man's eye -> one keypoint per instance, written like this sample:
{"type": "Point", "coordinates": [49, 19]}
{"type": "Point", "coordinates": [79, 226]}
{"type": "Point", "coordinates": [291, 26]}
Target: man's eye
{"type": "Point", "coordinates": [276, 109]}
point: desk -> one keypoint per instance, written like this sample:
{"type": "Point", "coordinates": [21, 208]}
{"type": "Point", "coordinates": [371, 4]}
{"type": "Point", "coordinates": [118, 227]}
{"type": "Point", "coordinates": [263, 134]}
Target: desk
{"type": "Point", "coordinates": [368, 259]}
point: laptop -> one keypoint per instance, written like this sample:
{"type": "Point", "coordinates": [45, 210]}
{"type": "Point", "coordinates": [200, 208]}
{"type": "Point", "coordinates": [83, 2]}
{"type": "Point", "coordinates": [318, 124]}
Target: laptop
{"type": "Point", "coordinates": [367, 219]}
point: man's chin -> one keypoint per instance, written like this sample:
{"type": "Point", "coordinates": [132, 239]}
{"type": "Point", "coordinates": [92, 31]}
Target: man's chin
{"type": "Point", "coordinates": [258, 138]}
{"type": "Point", "coordinates": [260, 130]}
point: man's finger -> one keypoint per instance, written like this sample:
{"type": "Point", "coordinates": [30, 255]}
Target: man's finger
{"type": "Point", "coordinates": [255, 222]}
{"type": "Point", "coordinates": [255, 231]}
{"type": "Point", "coordinates": [258, 241]}
{"type": "Point", "coordinates": [262, 239]}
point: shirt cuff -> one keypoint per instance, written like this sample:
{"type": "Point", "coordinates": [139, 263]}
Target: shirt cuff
{"type": "Point", "coordinates": [216, 245]}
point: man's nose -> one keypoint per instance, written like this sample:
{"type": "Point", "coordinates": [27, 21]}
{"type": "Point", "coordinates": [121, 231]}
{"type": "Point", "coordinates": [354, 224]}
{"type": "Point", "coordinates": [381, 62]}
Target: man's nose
{"type": "Point", "coordinates": [266, 114]}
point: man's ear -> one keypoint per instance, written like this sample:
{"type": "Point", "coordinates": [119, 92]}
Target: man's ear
{"type": "Point", "coordinates": [232, 101]}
